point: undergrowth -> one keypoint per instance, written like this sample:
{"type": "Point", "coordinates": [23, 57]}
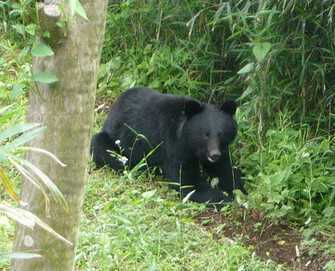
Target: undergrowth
{"type": "Point", "coordinates": [135, 225]}
{"type": "Point", "coordinates": [210, 50]}
{"type": "Point", "coordinates": [207, 49]}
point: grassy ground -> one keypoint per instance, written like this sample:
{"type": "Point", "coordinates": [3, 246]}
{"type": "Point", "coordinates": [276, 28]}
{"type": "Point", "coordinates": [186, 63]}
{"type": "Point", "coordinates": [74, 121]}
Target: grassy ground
{"type": "Point", "coordinates": [139, 225]}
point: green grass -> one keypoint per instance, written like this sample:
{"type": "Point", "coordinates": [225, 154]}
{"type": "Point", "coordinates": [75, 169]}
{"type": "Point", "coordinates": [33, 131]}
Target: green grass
{"type": "Point", "coordinates": [140, 225]}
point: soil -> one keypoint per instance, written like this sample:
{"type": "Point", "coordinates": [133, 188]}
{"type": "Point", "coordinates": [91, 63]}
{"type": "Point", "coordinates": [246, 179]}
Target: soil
{"type": "Point", "coordinates": [279, 242]}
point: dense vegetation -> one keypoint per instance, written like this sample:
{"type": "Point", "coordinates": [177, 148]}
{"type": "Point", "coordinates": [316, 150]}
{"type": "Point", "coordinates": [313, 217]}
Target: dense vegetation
{"type": "Point", "coordinates": [207, 49]}
{"type": "Point", "coordinates": [277, 58]}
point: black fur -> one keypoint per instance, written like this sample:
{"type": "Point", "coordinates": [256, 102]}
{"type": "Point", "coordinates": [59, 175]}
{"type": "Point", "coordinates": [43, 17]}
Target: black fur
{"type": "Point", "coordinates": [190, 138]}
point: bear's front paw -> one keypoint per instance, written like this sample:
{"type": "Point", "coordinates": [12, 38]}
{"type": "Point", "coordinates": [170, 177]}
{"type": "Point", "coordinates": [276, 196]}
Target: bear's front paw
{"type": "Point", "coordinates": [210, 195]}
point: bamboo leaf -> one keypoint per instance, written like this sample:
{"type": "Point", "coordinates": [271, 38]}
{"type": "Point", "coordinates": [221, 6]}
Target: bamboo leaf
{"type": "Point", "coordinates": [79, 9]}
{"type": "Point", "coordinates": [29, 220]}
{"type": "Point", "coordinates": [17, 90]}
{"type": "Point", "coordinates": [245, 93]}
{"type": "Point", "coordinates": [191, 22]}
{"type": "Point", "coordinates": [52, 156]}
{"type": "Point", "coordinates": [8, 185]}
{"type": "Point", "coordinates": [260, 50]}
{"type": "Point", "coordinates": [76, 7]}
{"type": "Point", "coordinates": [72, 5]}
{"type": "Point", "coordinates": [24, 255]}
{"type": "Point", "coordinates": [185, 199]}
{"type": "Point", "coordinates": [17, 129]}
{"type": "Point", "coordinates": [57, 194]}
{"type": "Point", "coordinates": [32, 180]}
{"type": "Point", "coordinates": [247, 68]}
{"type": "Point", "coordinates": [24, 138]}
{"type": "Point", "coordinates": [18, 215]}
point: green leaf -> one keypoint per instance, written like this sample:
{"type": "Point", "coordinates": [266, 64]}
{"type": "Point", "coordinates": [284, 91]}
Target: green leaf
{"type": "Point", "coordinates": [72, 5]}
{"type": "Point", "coordinates": [329, 212]}
{"type": "Point", "coordinates": [17, 90]}
{"type": "Point", "coordinates": [245, 93]}
{"type": "Point", "coordinates": [260, 50]}
{"type": "Point", "coordinates": [16, 130]}
{"type": "Point", "coordinates": [187, 197]}
{"type": "Point", "coordinates": [4, 109]}
{"type": "Point", "coordinates": [56, 193]}
{"type": "Point", "coordinates": [80, 10]}
{"type": "Point", "coordinates": [40, 49]}
{"type": "Point", "coordinates": [31, 29]}
{"type": "Point", "coordinates": [29, 220]}
{"type": "Point", "coordinates": [247, 68]}
{"type": "Point", "coordinates": [19, 29]}
{"type": "Point", "coordinates": [3, 156]}
{"type": "Point", "coordinates": [45, 77]}
{"type": "Point", "coordinates": [24, 138]}
{"type": "Point", "coordinates": [24, 255]}
{"type": "Point", "coordinates": [9, 188]}
{"type": "Point", "coordinates": [77, 8]}
{"type": "Point", "coordinates": [330, 265]}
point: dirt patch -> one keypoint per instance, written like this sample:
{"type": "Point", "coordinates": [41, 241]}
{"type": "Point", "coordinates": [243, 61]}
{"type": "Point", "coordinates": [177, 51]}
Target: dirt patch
{"type": "Point", "coordinates": [278, 242]}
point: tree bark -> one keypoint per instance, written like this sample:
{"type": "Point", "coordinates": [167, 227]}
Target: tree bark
{"type": "Point", "coordinates": [66, 109]}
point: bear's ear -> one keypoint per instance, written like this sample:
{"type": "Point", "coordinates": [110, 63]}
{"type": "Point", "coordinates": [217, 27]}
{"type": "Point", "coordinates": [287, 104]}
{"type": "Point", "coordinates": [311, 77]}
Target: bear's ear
{"type": "Point", "coordinates": [192, 107]}
{"type": "Point", "coordinates": [229, 107]}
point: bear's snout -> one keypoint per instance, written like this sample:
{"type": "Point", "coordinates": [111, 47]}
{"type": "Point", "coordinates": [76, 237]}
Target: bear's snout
{"type": "Point", "coordinates": [214, 156]}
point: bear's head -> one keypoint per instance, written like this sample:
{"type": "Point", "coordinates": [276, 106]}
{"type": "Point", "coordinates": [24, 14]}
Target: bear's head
{"type": "Point", "coordinates": [208, 129]}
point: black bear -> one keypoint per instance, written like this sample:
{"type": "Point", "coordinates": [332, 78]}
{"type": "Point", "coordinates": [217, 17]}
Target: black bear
{"type": "Point", "coordinates": [190, 140]}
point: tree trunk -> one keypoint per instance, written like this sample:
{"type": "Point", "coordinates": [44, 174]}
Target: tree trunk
{"type": "Point", "coordinates": [66, 109]}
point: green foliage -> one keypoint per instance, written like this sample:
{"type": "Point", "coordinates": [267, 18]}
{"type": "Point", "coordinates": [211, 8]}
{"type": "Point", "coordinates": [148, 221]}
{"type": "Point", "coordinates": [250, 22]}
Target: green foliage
{"type": "Point", "coordinates": [40, 49]}
{"type": "Point", "coordinates": [330, 266]}
{"type": "Point", "coordinates": [290, 40]}
{"type": "Point", "coordinates": [12, 140]}
{"type": "Point", "coordinates": [23, 24]}
{"type": "Point", "coordinates": [77, 8]}
{"type": "Point", "coordinates": [292, 173]}
{"type": "Point", "coordinates": [44, 77]}
{"type": "Point", "coordinates": [260, 50]}
{"type": "Point", "coordinates": [14, 76]}
{"type": "Point", "coordinates": [276, 57]}
{"type": "Point", "coordinates": [18, 19]}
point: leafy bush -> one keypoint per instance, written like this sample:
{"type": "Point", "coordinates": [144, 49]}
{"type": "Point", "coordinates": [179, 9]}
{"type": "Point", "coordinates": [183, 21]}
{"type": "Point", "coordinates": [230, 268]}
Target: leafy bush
{"type": "Point", "coordinates": [292, 174]}
{"type": "Point", "coordinates": [17, 19]}
{"type": "Point", "coordinates": [221, 38]}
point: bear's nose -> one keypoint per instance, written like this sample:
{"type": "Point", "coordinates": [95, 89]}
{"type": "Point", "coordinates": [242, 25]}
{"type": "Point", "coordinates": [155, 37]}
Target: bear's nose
{"type": "Point", "coordinates": [214, 156]}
